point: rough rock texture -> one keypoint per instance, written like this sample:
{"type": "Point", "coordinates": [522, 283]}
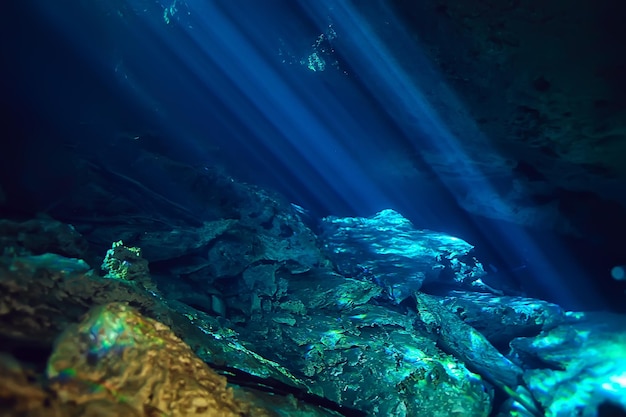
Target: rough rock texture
{"type": "Point", "coordinates": [140, 361]}
{"type": "Point", "coordinates": [250, 289]}
{"type": "Point", "coordinates": [577, 366]}
{"type": "Point", "coordinates": [224, 227]}
{"type": "Point", "coordinates": [21, 396]}
{"type": "Point", "coordinates": [40, 295]}
{"type": "Point", "coordinates": [464, 342]}
{"type": "Point", "coordinates": [388, 250]}
{"type": "Point", "coordinates": [211, 214]}
{"type": "Point", "coordinates": [118, 363]}
{"type": "Point", "coordinates": [39, 236]}
{"type": "Point", "coordinates": [500, 318]}
{"type": "Point", "coordinates": [127, 264]}
{"type": "Point", "coordinates": [317, 334]}
{"type": "Point", "coordinates": [332, 334]}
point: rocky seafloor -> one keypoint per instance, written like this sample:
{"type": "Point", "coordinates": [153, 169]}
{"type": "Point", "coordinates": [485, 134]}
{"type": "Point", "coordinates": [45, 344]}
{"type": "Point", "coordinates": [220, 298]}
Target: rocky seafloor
{"type": "Point", "coordinates": [244, 310]}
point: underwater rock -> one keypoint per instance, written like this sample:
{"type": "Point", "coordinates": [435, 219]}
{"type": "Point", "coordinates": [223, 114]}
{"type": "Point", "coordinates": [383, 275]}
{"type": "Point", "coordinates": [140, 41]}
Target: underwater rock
{"type": "Point", "coordinates": [41, 294]}
{"type": "Point", "coordinates": [284, 236]}
{"type": "Point", "coordinates": [281, 319]}
{"type": "Point", "coordinates": [273, 294]}
{"type": "Point", "coordinates": [389, 251]}
{"type": "Point", "coordinates": [240, 267]}
{"type": "Point", "coordinates": [225, 248]}
{"type": "Point", "coordinates": [184, 224]}
{"type": "Point", "coordinates": [126, 264]}
{"type": "Point", "coordinates": [160, 245]}
{"type": "Point", "coordinates": [118, 363]}
{"type": "Point", "coordinates": [231, 255]}
{"type": "Point", "coordinates": [370, 358]}
{"type": "Point", "coordinates": [315, 332]}
{"type": "Point", "coordinates": [261, 280]}
{"type": "Point", "coordinates": [242, 247]}
{"type": "Point", "coordinates": [328, 328]}
{"type": "Point", "coordinates": [214, 340]}
{"type": "Point", "coordinates": [466, 343]}
{"type": "Point", "coordinates": [21, 396]}
{"type": "Point", "coordinates": [502, 318]}
{"type": "Point", "coordinates": [578, 365]}
{"type": "Point", "coordinates": [137, 359]}
{"type": "Point", "coordinates": [39, 236]}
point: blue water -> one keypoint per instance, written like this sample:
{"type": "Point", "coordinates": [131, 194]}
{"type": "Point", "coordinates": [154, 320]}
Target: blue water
{"type": "Point", "coordinates": [328, 102]}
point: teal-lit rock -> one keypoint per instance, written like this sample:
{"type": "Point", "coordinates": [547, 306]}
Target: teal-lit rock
{"type": "Point", "coordinates": [388, 250]}
{"type": "Point", "coordinates": [583, 364]}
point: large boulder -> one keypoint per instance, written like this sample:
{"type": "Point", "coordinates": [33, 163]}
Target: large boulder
{"type": "Point", "coordinates": [388, 250]}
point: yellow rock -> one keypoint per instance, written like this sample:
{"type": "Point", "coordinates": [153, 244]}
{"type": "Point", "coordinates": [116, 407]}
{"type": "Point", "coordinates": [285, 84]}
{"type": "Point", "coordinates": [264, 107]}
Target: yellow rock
{"type": "Point", "coordinates": [118, 356]}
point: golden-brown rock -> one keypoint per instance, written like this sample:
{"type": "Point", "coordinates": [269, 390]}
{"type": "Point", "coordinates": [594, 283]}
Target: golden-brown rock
{"type": "Point", "coordinates": [117, 355]}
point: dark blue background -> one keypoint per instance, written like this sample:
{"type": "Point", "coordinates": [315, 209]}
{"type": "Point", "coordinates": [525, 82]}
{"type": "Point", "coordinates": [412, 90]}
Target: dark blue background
{"type": "Point", "coordinates": [108, 80]}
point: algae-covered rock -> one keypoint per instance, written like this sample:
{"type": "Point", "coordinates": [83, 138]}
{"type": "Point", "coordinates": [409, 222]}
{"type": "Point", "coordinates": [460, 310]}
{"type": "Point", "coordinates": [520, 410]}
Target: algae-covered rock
{"type": "Point", "coordinates": [126, 264]}
{"type": "Point", "coordinates": [41, 294]}
{"type": "Point", "coordinates": [116, 355]}
{"type": "Point", "coordinates": [117, 363]}
{"type": "Point", "coordinates": [350, 347]}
